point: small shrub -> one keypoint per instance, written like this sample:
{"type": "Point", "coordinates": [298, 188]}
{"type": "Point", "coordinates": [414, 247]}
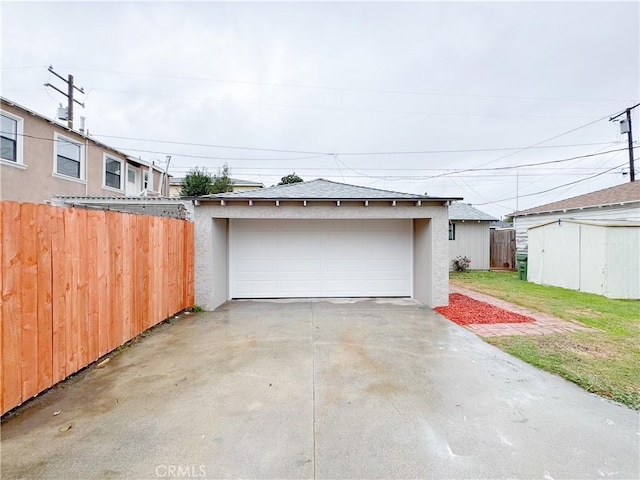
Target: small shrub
{"type": "Point", "coordinates": [197, 308]}
{"type": "Point", "coordinates": [461, 263]}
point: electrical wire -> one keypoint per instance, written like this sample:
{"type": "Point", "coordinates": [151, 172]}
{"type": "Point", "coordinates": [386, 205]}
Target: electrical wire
{"type": "Point", "coordinates": [545, 141]}
{"type": "Point", "coordinates": [319, 154]}
{"type": "Point", "coordinates": [416, 152]}
{"type": "Point", "coordinates": [339, 109]}
{"type": "Point", "coordinates": [553, 188]}
{"type": "Point", "coordinates": [336, 88]}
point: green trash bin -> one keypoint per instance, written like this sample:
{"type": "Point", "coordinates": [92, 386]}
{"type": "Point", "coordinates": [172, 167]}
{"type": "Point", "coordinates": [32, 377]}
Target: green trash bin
{"type": "Point", "coordinates": [521, 258]}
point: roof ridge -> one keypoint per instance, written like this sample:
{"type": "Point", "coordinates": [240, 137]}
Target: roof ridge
{"type": "Point", "coordinates": [369, 188]}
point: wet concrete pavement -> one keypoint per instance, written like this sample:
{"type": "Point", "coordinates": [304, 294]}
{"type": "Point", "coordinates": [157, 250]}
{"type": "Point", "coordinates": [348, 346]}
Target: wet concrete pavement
{"type": "Point", "coordinates": [318, 389]}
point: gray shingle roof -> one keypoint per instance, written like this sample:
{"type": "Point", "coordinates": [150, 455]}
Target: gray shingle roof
{"type": "Point", "coordinates": [625, 193]}
{"type": "Point", "coordinates": [319, 189]}
{"type": "Point", "coordinates": [464, 211]}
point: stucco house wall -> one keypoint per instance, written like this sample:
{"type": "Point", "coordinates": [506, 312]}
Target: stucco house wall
{"type": "Point", "coordinates": [33, 179]}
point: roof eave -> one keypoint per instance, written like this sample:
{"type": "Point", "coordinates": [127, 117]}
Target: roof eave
{"type": "Point", "coordinates": [524, 213]}
{"type": "Point", "coordinates": [316, 199]}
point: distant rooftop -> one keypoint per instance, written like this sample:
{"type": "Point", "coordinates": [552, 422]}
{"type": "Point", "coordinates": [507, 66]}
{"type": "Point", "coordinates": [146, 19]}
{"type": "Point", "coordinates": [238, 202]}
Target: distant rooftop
{"type": "Point", "coordinates": [626, 193]}
{"type": "Point", "coordinates": [321, 189]}
{"type": "Point", "coordinates": [464, 211]}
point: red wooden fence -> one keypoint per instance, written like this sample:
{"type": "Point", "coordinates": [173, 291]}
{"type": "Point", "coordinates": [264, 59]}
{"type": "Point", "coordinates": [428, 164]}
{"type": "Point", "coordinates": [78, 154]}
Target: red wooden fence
{"type": "Point", "coordinates": [76, 284]}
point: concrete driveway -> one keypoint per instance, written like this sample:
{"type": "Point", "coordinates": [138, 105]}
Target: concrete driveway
{"type": "Point", "coordinates": [318, 389]}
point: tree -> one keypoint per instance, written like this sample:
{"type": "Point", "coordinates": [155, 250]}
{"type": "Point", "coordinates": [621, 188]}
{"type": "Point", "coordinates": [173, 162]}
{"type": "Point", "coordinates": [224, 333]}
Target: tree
{"type": "Point", "coordinates": [221, 181]}
{"type": "Point", "coordinates": [197, 182]}
{"type": "Point", "coordinates": [291, 178]}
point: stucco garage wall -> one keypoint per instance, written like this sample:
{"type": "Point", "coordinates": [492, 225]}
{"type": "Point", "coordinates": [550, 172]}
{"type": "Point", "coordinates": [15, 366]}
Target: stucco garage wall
{"type": "Point", "coordinates": [431, 280]}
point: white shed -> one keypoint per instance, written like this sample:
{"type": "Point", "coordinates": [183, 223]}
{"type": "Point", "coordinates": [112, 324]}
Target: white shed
{"type": "Point", "coordinates": [621, 202]}
{"type": "Point", "coordinates": [590, 256]}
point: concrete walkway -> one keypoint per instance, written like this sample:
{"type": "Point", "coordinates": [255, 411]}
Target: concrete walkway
{"type": "Point", "coordinates": [358, 389]}
{"type": "Point", "coordinates": [544, 323]}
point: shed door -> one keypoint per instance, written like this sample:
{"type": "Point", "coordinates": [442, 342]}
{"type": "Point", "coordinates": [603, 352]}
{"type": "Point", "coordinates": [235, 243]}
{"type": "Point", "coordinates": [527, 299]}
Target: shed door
{"type": "Point", "coordinates": [320, 258]}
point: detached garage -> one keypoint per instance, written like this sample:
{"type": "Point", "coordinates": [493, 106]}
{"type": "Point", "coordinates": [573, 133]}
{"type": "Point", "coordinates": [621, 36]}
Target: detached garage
{"type": "Point", "coordinates": [321, 239]}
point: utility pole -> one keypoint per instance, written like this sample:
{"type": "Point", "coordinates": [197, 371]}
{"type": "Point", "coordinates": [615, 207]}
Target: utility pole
{"type": "Point", "coordinates": [70, 100]}
{"type": "Point", "coordinates": [625, 127]}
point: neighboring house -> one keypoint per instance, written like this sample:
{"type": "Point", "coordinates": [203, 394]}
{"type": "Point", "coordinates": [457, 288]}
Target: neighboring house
{"type": "Point", "coordinates": [41, 158]}
{"type": "Point", "coordinates": [321, 239]}
{"type": "Point", "coordinates": [621, 202]}
{"type": "Point", "coordinates": [175, 185]}
{"type": "Point", "coordinates": [469, 235]}
{"type": "Point", "coordinates": [599, 256]}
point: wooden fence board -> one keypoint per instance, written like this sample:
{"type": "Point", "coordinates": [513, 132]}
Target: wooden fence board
{"type": "Point", "coordinates": [58, 302]}
{"type": "Point", "coordinates": [115, 325]}
{"type": "Point", "coordinates": [28, 293]}
{"type": "Point", "coordinates": [145, 266]}
{"type": "Point", "coordinates": [93, 284]}
{"type": "Point", "coordinates": [1, 308]}
{"type": "Point", "coordinates": [11, 308]}
{"type": "Point", "coordinates": [44, 298]}
{"type": "Point", "coordinates": [104, 299]}
{"type": "Point", "coordinates": [71, 269]}
{"type": "Point", "coordinates": [128, 251]}
{"type": "Point", "coordinates": [82, 290]}
{"type": "Point", "coordinates": [77, 284]}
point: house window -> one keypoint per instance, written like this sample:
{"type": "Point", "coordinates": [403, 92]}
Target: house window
{"type": "Point", "coordinates": [145, 181]}
{"type": "Point", "coordinates": [452, 231]}
{"type": "Point", "coordinates": [113, 172]}
{"type": "Point", "coordinates": [69, 158]}
{"type": "Point", "coordinates": [11, 138]}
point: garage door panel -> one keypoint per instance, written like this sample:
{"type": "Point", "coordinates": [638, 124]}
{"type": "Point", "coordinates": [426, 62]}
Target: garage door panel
{"type": "Point", "coordinates": [320, 258]}
{"type": "Point", "coordinates": [300, 265]}
{"type": "Point", "coordinates": [256, 265]}
{"type": "Point", "coordinates": [261, 288]}
{"type": "Point", "coordinates": [386, 265]}
{"type": "Point", "coordinates": [299, 288]}
{"type": "Point", "coordinates": [343, 265]}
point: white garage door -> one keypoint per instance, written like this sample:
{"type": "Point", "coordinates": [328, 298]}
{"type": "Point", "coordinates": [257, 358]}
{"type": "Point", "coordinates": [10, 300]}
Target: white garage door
{"type": "Point", "coordinates": [320, 258]}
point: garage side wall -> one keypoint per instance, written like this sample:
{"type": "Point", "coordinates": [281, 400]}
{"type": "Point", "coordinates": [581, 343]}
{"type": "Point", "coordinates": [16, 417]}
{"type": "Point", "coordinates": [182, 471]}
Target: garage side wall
{"type": "Point", "coordinates": [203, 262]}
{"type": "Point", "coordinates": [212, 248]}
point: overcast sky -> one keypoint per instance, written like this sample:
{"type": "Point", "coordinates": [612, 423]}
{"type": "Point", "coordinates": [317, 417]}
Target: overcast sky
{"type": "Point", "coordinates": [332, 80]}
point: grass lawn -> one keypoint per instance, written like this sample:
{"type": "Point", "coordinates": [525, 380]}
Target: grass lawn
{"type": "Point", "coordinates": [606, 362]}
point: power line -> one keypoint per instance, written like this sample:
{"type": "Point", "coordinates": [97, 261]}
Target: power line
{"type": "Point", "coordinates": [343, 89]}
{"type": "Point", "coordinates": [340, 109]}
{"type": "Point", "coordinates": [544, 141]}
{"type": "Point", "coordinates": [417, 152]}
{"type": "Point", "coordinates": [320, 154]}
{"type": "Point", "coordinates": [343, 154]}
{"type": "Point", "coordinates": [554, 188]}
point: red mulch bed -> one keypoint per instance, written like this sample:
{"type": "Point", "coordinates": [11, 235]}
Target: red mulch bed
{"type": "Point", "coordinates": [466, 311]}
